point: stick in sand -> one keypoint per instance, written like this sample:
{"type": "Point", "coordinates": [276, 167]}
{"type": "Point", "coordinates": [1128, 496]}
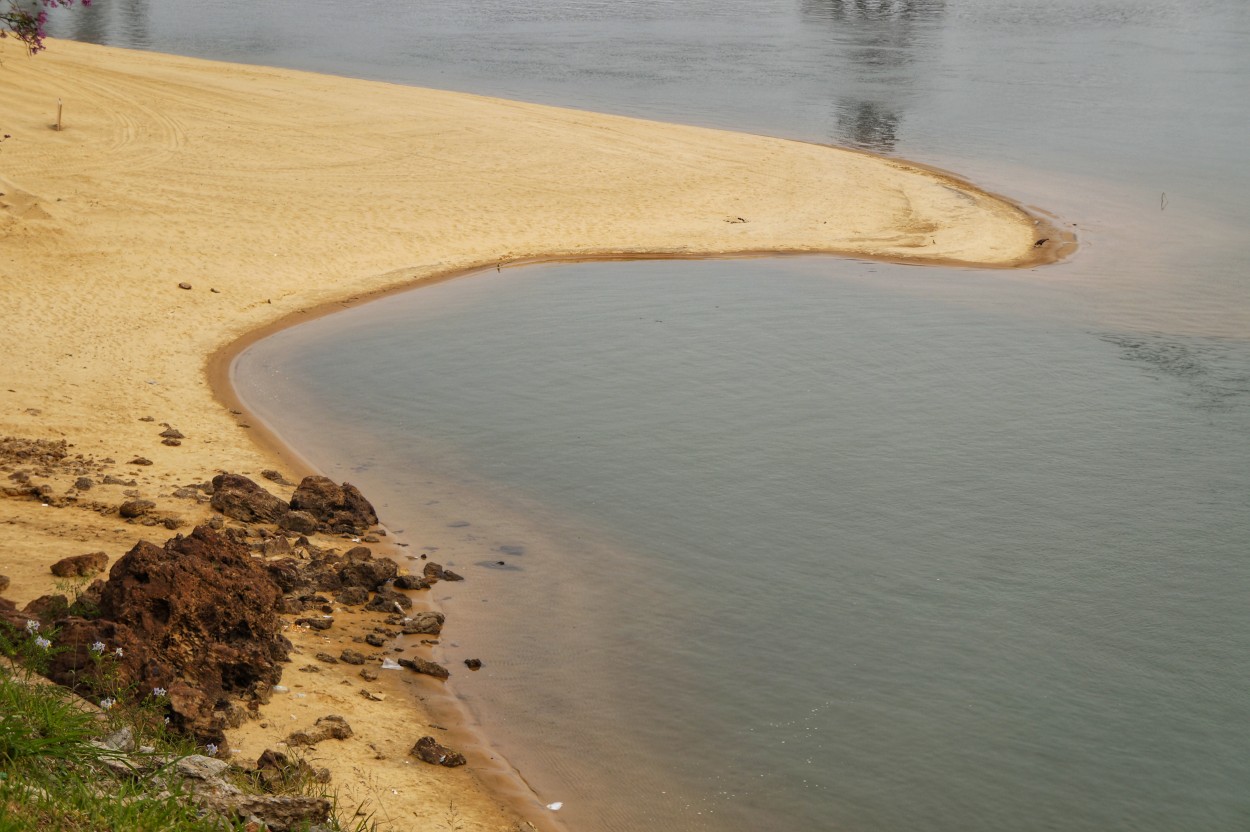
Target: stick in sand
{"type": "Point", "coordinates": [58, 114]}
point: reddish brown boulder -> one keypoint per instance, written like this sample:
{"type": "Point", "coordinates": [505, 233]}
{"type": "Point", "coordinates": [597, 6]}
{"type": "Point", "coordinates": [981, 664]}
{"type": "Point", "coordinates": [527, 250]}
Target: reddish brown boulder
{"type": "Point", "coordinates": [80, 566]}
{"type": "Point", "coordinates": [339, 508]}
{"type": "Point", "coordinates": [236, 496]}
{"type": "Point", "coordinates": [208, 613]}
{"type": "Point", "coordinates": [98, 657]}
{"type": "Point", "coordinates": [47, 607]}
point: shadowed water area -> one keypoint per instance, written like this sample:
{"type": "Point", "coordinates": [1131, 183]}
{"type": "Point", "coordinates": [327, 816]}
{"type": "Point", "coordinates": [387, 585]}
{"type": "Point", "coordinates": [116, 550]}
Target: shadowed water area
{"type": "Point", "coordinates": [809, 543]}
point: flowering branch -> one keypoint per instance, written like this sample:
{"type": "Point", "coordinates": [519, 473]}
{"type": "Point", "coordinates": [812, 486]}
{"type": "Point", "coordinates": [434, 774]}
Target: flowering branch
{"type": "Point", "coordinates": [26, 24]}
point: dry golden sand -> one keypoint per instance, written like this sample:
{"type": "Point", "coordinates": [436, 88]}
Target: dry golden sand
{"type": "Point", "coordinates": [274, 193]}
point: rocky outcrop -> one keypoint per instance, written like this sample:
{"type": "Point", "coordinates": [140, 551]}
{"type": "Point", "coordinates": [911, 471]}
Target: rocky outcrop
{"type": "Point", "coordinates": [204, 615]}
{"type": "Point", "coordinates": [80, 566]}
{"type": "Point", "coordinates": [236, 496]}
{"type": "Point", "coordinates": [428, 750]}
{"type": "Point", "coordinates": [337, 508]}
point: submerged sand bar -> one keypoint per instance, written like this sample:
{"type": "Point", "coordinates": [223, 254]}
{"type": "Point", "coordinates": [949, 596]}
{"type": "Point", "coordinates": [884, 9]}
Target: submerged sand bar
{"type": "Point", "coordinates": [273, 192]}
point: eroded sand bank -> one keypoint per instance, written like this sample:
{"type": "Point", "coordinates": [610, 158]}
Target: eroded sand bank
{"type": "Point", "coordinates": [273, 193]}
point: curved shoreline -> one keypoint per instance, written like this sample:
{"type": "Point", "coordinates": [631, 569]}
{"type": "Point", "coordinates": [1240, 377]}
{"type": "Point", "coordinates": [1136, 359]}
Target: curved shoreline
{"type": "Point", "coordinates": [182, 170]}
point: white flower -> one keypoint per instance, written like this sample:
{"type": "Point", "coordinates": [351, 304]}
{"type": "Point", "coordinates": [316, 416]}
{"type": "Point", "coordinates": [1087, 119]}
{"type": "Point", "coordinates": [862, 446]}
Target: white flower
{"type": "Point", "coordinates": [107, 703]}
{"type": "Point", "coordinates": [158, 692]}
{"type": "Point", "coordinates": [166, 720]}
{"type": "Point", "coordinates": [211, 748]}
{"type": "Point", "coordinates": [98, 647]}
{"type": "Point", "coordinates": [42, 643]}
{"type": "Point", "coordinates": [119, 653]}
{"type": "Point", "coordinates": [32, 626]}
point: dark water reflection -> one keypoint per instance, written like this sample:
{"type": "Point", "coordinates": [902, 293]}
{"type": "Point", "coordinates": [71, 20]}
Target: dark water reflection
{"type": "Point", "coordinates": [882, 42]}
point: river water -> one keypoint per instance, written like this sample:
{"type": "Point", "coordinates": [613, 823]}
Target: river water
{"type": "Point", "coordinates": [810, 543]}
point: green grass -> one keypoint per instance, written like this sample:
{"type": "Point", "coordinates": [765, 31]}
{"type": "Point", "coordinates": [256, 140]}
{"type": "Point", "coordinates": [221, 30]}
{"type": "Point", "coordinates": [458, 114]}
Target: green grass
{"type": "Point", "coordinates": [54, 777]}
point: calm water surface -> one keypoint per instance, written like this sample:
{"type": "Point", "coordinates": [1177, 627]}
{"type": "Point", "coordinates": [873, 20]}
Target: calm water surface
{"type": "Point", "coordinates": [819, 544]}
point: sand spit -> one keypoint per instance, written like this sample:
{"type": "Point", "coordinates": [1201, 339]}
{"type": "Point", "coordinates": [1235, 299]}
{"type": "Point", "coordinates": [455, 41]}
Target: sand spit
{"type": "Point", "coordinates": [187, 203]}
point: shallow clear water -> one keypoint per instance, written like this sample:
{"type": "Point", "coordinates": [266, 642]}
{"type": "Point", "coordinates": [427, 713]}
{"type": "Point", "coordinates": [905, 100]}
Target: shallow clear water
{"type": "Point", "coordinates": [810, 543]}
{"type": "Point", "coordinates": [819, 551]}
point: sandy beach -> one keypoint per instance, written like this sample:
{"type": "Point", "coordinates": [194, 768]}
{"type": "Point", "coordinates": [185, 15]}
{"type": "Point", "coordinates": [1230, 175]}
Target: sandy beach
{"type": "Point", "coordinates": [186, 205]}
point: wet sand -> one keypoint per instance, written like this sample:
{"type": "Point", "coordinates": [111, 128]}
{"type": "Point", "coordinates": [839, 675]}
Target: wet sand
{"type": "Point", "coordinates": [276, 195]}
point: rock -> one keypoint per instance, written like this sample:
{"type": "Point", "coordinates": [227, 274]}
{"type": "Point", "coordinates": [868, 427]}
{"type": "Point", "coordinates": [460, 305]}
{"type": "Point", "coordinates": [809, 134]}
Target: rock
{"type": "Point", "coordinates": [172, 433]}
{"type": "Point", "coordinates": [277, 545]}
{"type": "Point", "coordinates": [173, 443]}
{"type": "Point", "coordinates": [316, 623]}
{"type": "Point", "coordinates": [411, 582]}
{"type": "Point", "coordinates": [339, 508]}
{"type": "Point", "coordinates": [388, 600]}
{"type": "Point", "coordinates": [80, 566]}
{"type": "Point", "coordinates": [300, 522]}
{"type": "Point", "coordinates": [374, 639]}
{"type": "Point", "coordinates": [275, 476]}
{"type": "Point", "coordinates": [286, 573]}
{"type": "Point", "coordinates": [351, 656]}
{"type": "Point", "coordinates": [473, 664]}
{"type": "Point", "coordinates": [367, 574]}
{"type": "Point", "coordinates": [199, 767]}
{"type": "Point", "coordinates": [435, 572]}
{"type": "Point", "coordinates": [276, 813]}
{"type": "Point", "coordinates": [109, 479]}
{"type": "Point", "coordinates": [426, 623]}
{"type": "Point", "coordinates": [205, 614]}
{"type": "Point", "coordinates": [368, 674]}
{"type": "Point", "coordinates": [4, 582]}
{"type": "Point", "coordinates": [123, 739]}
{"type": "Point", "coordinates": [428, 750]}
{"type": "Point", "coordinates": [426, 667]}
{"type": "Point", "coordinates": [184, 285]}
{"type": "Point", "coordinates": [327, 658]}
{"type": "Point", "coordinates": [139, 460]}
{"type": "Point", "coordinates": [47, 607]}
{"type": "Point", "coordinates": [331, 726]}
{"type": "Point", "coordinates": [83, 483]}
{"type": "Point", "coordinates": [352, 596]}
{"type": "Point", "coordinates": [236, 496]}
{"type": "Point", "coordinates": [275, 771]}
{"type": "Point", "coordinates": [135, 508]}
